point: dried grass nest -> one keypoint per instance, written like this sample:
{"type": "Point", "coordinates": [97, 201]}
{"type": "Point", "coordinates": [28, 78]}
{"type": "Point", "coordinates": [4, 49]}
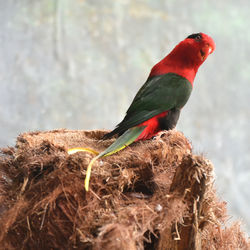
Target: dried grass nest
{"type": "Point", "coordinates": [155, 194]}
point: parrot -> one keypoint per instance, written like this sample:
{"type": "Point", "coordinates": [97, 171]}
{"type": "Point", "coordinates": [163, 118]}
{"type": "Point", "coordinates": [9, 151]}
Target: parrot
{"type": "Point", "coordinates": [158, 103]}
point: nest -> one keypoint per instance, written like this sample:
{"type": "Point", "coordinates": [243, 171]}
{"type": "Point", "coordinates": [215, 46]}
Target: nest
{"type": "Point", "coordinates": [155, 194]}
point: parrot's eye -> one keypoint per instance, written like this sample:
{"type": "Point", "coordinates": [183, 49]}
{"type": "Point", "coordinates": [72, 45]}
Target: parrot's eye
{"type": "Point", "coordinates": [196, 36]}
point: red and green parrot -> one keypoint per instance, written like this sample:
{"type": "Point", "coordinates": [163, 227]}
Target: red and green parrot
{"type": "Point", "coordinates": [158, 103]}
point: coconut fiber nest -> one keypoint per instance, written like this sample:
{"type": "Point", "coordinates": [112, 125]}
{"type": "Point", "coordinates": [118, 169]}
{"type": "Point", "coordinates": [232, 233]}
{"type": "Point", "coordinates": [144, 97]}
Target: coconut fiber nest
{"type": "Point", "coordinates": [154, 194]}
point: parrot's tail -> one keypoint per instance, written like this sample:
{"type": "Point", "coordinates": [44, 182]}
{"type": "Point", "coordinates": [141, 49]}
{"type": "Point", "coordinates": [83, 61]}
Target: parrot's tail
{"type": "Point", "coordinates": [123, 141]}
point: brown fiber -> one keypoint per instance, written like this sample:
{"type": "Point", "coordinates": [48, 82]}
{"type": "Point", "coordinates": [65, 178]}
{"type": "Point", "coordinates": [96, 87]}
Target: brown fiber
{"type": "Point", "coordinates": [155, 194]}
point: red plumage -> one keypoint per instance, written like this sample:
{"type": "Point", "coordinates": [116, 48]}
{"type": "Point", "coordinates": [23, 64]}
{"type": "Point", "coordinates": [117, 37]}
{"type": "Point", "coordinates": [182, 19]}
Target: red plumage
{"type": "Point", "coordinates": [152, 127]}
{"type": "Point", "coordinates": [186, 58]}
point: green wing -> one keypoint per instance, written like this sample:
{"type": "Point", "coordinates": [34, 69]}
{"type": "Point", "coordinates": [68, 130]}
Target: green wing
{"type": "Point", "coordinates": [158, 94]}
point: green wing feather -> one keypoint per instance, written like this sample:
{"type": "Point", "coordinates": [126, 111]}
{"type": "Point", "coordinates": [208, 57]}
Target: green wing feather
{"type": "Point", "coordinates": [123, 141]}
{"type": "Point", "coordinates": [158, 94]}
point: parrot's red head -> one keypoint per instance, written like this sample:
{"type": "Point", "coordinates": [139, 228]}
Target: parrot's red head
{"type": "Point", "coordinates": [186, 57]}
{"type": "Point", "coordinates": [200, 46]}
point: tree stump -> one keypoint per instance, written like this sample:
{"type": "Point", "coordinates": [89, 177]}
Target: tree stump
{"type": "Point", "coordinates": [154, 194]}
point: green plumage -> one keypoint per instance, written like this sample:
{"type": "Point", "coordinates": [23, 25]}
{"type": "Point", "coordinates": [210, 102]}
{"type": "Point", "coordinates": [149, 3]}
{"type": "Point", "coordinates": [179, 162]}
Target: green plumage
{"type": "Point", "coordinates": [158, 94]}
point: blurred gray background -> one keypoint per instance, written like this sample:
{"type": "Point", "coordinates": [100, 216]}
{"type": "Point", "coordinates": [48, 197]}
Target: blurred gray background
{"type": "Point", "coordinates": [78, 64]}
